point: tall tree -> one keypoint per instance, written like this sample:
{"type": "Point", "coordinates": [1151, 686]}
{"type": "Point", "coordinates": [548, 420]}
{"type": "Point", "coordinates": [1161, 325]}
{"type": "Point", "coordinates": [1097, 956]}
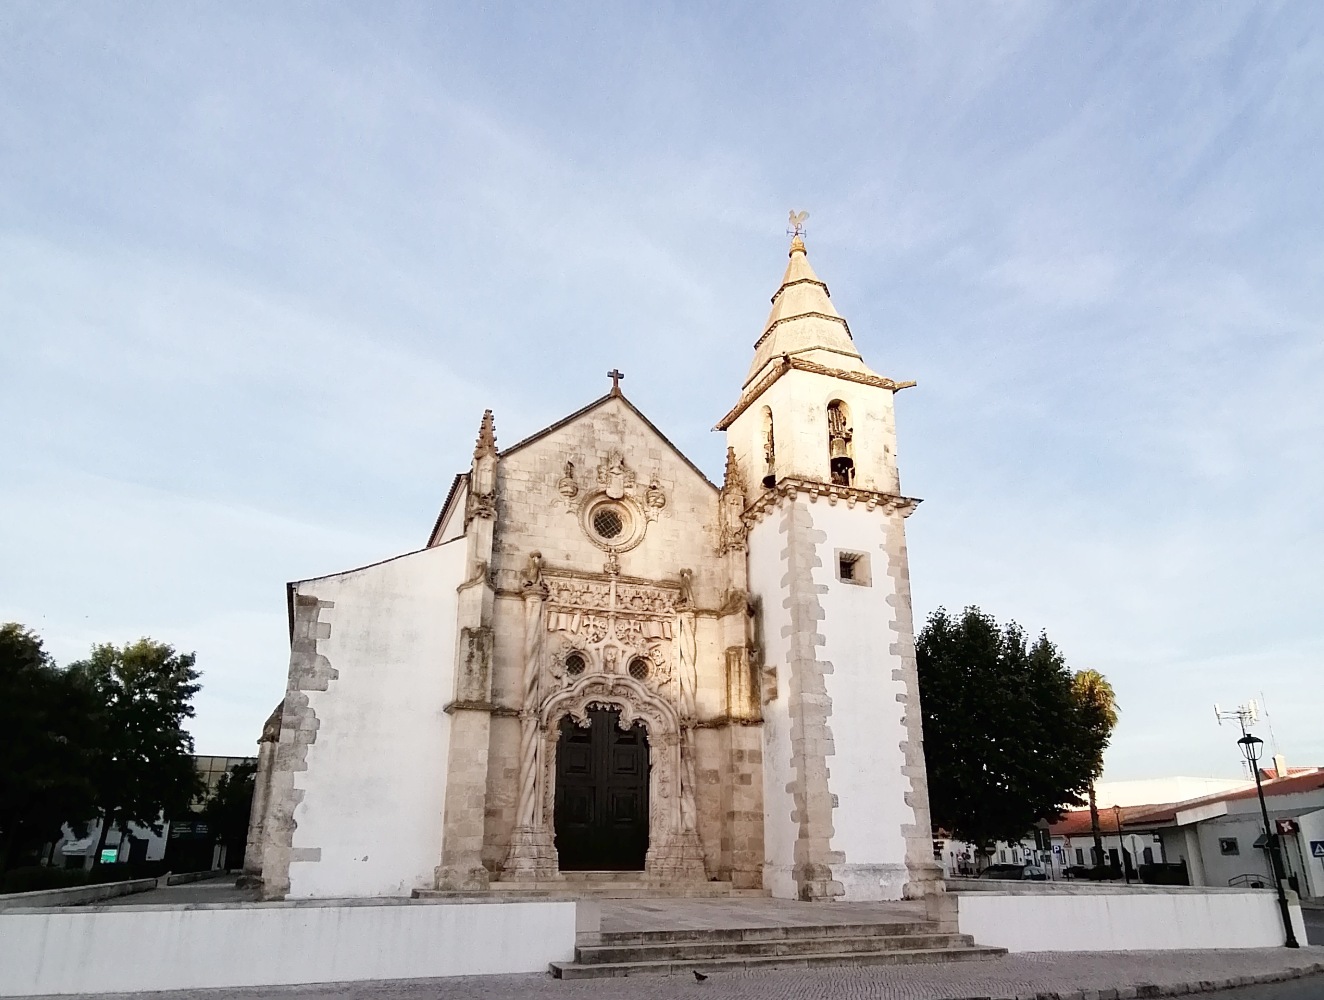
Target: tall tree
{"type": "Point", "coordinates": [143, 765]}
{"type": "Point", "coordinates": [1004, 739]}
{"type": "Point", "coordinates": [45, 718]}
{"type": "Point", "coordinates": [227, 810]}
{"type": "Point", "coordinates": [1097, 704]}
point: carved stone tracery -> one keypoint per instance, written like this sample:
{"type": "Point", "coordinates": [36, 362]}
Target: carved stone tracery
{"type": "Point", "coordinates": [609, 623]}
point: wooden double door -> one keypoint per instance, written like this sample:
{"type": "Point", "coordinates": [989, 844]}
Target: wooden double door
{"type": "Point", "coordinates": [601, 805]}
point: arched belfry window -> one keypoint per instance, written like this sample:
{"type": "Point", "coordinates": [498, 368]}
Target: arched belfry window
{"type": "Point", "coordinates": [841, 451]}
{"type": "Point", "coordinates": [769, 451]}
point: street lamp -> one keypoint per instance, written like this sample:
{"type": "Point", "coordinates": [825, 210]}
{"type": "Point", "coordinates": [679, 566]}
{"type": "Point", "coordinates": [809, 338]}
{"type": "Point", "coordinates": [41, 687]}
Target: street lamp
{"type": "Point", "coordinates": [1251, 748]}
{"type": "Point", "coordinates": [1121, 848]}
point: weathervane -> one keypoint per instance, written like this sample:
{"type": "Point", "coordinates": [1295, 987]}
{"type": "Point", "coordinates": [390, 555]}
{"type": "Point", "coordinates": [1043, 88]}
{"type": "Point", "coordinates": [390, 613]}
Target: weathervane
{"type": "Point", "coordinates": [797, 223]}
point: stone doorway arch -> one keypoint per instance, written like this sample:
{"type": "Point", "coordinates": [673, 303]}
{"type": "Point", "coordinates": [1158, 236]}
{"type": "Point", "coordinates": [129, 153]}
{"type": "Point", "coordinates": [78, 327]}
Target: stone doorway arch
{"type": "Point", "coordinates": [673, 843]}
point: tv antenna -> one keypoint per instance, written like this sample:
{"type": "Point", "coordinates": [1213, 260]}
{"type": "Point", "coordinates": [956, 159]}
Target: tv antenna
{"type": "Point", "coordinates": [1247, 713]}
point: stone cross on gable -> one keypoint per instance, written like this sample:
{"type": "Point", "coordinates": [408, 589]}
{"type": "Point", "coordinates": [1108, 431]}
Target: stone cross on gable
{"type": "Point", "coordinates": [615, 377]}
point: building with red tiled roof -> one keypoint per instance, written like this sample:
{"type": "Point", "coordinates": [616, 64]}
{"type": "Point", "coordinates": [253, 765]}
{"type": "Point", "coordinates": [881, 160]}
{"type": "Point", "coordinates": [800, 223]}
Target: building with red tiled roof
{"type": "Point", "coordinates": [1219, 837]}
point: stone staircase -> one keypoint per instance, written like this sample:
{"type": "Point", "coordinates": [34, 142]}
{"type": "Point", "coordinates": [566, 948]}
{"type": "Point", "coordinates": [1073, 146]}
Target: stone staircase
{"type": "Point", "coordinates": [801, 946]}
{"type": "Point", "coordinates": [600, 885]}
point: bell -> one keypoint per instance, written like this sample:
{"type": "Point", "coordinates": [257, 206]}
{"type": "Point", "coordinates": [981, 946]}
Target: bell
{"type": "Point", "coordinates": [837, 448]}
{"type": "Point", "coordinates": [769, 481]}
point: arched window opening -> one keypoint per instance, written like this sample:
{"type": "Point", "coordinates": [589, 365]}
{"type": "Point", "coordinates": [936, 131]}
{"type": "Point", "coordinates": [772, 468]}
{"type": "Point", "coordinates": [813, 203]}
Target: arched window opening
{"type": "Point", "coordinates": [841, 452]}
{"type": "Point", "coordinates": [769, 451]}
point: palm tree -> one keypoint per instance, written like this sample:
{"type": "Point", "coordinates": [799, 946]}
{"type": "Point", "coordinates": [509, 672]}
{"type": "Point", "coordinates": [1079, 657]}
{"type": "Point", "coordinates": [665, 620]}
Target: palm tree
{"type": "Point", "coordinates": [1093, 691]}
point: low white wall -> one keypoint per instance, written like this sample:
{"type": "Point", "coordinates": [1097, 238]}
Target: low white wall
{"type": "Point", "coordinates": [1121, 921]}
{"type": "Point", "coordinates": [135, 949]}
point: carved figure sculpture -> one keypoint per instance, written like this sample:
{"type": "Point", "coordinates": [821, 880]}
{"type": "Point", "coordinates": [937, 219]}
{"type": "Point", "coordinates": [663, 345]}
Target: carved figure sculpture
{"type": "Point", "coordinates": [532, 575]}
{"type": "Point", "coordinates": [686, 599]}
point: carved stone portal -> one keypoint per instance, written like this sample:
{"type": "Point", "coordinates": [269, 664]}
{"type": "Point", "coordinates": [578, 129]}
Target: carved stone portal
{"type": "Point", "coordinates": [633, 651]}
{"type": "Point", "coordinates": [673, 843]}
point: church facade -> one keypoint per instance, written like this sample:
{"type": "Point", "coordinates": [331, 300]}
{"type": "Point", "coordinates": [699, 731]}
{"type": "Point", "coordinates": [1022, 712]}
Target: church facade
{"type": "Point", "coordinates": [601, 660]}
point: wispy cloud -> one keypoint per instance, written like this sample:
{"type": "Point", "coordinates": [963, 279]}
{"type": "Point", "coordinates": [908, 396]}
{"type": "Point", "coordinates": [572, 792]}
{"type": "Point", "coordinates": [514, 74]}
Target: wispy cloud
{"type": "Point", "coordinates": [261, 270]}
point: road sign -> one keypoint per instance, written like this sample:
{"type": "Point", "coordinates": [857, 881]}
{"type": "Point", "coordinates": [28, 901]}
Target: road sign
{"type": "Point", "coordinates": [1317, 848]}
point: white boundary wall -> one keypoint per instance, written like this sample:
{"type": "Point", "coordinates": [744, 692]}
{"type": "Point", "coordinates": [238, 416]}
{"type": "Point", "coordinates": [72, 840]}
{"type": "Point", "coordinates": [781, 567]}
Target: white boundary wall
{"type": "Point", "coordinates": [1122, 921]}
{"type": "Point", "coordinates": [136, 949]}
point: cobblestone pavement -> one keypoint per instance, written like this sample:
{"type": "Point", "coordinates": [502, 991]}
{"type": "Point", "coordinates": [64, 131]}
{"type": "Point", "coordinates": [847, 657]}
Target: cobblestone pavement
{"type": "Point", "coordinates": [1310, 988]}
{"type": "Point", "coordinates": [1028, 976]}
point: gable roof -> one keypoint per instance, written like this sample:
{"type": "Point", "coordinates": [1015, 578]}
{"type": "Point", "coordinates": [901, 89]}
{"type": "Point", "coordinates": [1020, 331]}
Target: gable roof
{"type": "Point", "coordinates": [460, 477]}
{"type": "Point", "coordinates": [1076, 822]}
{"type": "Point", "coordinates": [602, 401]}
{"type": "Point", "coordinates": [1291, 785]}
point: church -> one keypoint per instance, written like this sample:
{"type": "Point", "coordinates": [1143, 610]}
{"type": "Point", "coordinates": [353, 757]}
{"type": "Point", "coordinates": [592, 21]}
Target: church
{"type": "Point", "coordinates": [602, 662]}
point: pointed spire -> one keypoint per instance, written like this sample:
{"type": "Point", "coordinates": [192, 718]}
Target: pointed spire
{"type": "Point", "coordinates": [486, 436]}
{"type": "Point", "coordinates": [735, 479]}
{"type": "Point", "coordinates": [803, 317]}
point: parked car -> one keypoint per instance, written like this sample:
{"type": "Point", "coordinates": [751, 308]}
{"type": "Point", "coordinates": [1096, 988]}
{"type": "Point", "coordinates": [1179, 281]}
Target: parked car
{"type": "Point", "coordinates": [1015, 873]}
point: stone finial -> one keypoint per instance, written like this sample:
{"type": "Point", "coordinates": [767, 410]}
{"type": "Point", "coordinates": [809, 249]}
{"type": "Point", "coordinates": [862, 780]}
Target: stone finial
{"type": "Point", "coordinates": [486, 436]}
{"type": "Point", "coordinates": [734, 481]}
{"type": "Point", "coordinates": [271, 728]}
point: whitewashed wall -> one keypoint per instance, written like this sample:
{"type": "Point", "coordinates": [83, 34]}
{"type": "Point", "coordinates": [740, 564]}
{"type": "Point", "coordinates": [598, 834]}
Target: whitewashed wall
{"type": "Point", "coordinates": [867, 727]}
{"type": "Point", "coordinates": [1219, 868]}
{"type": "Point", "coordinates": [1312, 828]}
{"type": "Point", "coordinates": [139, 949]}
{"type": "Point", "coordinates": [865, 767]}
{"type": "Point", "coordinates": [376, 777]}
{"type": "Point", "coordinates": [1124, 921]}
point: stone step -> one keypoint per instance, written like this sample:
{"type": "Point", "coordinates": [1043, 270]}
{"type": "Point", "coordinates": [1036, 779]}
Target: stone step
{"type": "Point", "coordinates": [776, 932]}
{"type": "Point", "coordinates": [603, 876]}
{"type": "Point", "coordinates": [572, 970]}
{"type": "Point", "coordinates": [587, 889]}
{"type": "Point", "coordinates": [711, 948]}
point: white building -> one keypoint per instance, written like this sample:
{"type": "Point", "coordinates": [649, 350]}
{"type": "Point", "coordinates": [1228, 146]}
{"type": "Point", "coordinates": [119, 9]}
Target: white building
{"type": "Point", "coordinates": [602, 660]}
{"type": "Point", "coordinates": [1216, 835]}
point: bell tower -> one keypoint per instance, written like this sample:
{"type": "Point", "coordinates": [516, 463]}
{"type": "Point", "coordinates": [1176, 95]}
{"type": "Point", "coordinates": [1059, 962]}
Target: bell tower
{"type": "Point", "coordinates": [846, 811]}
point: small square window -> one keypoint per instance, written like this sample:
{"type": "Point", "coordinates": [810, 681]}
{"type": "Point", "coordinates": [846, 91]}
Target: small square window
{"type": "Point", "coordinates": [1228, 845]}
{"type": "Point", "coordinates": [853, 567]}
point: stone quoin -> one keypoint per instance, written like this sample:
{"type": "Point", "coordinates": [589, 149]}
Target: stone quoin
{"type": "Point", "coordinates": [602, 661]}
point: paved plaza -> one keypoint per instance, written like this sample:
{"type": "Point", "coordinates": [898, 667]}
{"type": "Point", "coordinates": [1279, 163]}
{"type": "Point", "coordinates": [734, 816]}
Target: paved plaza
{"type": "Point", "coordinates": [1019, 976]}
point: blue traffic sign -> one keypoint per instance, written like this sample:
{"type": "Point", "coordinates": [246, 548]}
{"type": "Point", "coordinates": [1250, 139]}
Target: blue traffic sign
{"type": "Point", "coordinates": [1317, 848]}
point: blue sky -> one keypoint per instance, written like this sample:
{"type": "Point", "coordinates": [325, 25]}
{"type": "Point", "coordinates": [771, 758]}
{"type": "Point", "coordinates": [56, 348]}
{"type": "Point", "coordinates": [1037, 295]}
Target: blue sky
{"type": "Point", "coordinates": [263, 266]}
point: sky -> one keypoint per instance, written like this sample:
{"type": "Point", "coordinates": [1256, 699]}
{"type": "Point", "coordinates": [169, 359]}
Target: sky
{"type": "Point", "coordinates": [262, 267]}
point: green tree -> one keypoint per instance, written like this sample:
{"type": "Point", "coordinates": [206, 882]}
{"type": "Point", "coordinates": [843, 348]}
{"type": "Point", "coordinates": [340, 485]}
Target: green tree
{"type": "Point", "coordinates": [45, 717]}
{"type": "Point", "coordinates": [1097, 704]}
{"type": "Point", "coordinates": [142, 767]}
{"type": "Point", "coordinates": [1005, 740]}
{"type": "Point", "coordinates": [227, 810]}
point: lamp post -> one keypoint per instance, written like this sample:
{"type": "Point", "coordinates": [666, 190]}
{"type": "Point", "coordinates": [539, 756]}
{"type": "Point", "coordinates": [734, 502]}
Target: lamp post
{"type": "Point", "coordinates": [1121, 847]}
{"type": "Point", "coordinates": [1251, 748]}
